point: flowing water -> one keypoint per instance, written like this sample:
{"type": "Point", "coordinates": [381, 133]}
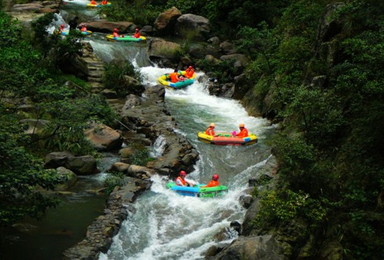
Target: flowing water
{"type": "Point", "coordinates": [168, 226]}
{"type": "Point", "coordinates": [165, 225]}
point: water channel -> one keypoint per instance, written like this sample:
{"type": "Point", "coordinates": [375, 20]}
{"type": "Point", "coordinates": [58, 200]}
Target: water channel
{"type": "Point", "coordinates": [167, 226]}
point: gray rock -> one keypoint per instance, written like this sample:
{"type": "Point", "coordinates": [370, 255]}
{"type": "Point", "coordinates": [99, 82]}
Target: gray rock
{"type": "Point", "coordinates": [190, 26]}
{"type": "Point", "coordinates": [70, 177]}
{"type": "Point", "coordinates": [253, 248]}
{"type": "Point", "coordinates": [165, 22]}
{"type": "Point", "coordinates": [102, 137]}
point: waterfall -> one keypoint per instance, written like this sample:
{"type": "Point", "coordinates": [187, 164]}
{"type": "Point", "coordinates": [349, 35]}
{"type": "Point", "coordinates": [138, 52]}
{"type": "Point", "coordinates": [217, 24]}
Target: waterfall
{"type": "Point", "coordinates": [168, 226]}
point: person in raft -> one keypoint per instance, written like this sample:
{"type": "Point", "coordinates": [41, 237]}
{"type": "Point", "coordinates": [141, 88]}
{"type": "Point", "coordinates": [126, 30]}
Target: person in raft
{"type": "Point", "coordinates": [115, 33]}
{"type": "Point", "coordinates": [104, 2]}
{"type": "Point", "coordinates": [83, 27]}
{"type": "Point", "coordinates": [137, 33]}
{"type": "Point", "coordinates": [93, 2]}
{"type": "Point", "coordinates": [213, 183]}
{"type": "Point", "coordinates": [243, 131]}
{"type": "Point", "coordinates": [181, 181]}
{"type": "Point", "coordinates": [174, 76]}
{"type": "Point", "coordinates": [189, 72]}
{"type": "Point", "coordinates": [211, 130]}
{"type": "Point", "coordinates": [61, 28]}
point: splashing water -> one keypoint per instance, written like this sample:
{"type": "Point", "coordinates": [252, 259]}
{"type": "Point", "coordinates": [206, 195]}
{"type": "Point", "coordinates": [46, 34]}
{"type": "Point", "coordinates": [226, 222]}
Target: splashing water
{"type": "Point", "coordinates": [169, 226]}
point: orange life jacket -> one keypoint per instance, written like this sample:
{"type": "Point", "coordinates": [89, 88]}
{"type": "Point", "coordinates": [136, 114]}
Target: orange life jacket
{"type": "Point", "coordinates": [83, 29]}
{"type": "Point", "coordinates": [137, 35]}
{"type": "Point", "coordinates": [189, 73]}
{"type": "Point", "coordinates": [210, 131]}
{"type": "Point", "coordinates": [115, 34]}
{"type": "Point", "coordinates": [104, 2]}
{"type": "Point", "coordinates": [212, 183]}
{"type": "Point", "coordinates": [174, 77]}
{"type": "Point", "coordinates": [179, 181]}
{"type": "Point", "coordinates": [243, 133]}
{"type": "Point", "coordinates": [93, 2]}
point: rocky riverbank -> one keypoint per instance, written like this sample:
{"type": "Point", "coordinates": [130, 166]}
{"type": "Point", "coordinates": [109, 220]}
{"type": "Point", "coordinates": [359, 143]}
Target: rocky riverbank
{"type": "Point", "coordinates": [146, 118]}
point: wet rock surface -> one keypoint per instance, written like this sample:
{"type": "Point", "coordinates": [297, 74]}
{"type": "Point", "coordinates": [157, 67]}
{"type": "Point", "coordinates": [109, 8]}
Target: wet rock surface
{"type": "Point", "coordinates": [152, 119]}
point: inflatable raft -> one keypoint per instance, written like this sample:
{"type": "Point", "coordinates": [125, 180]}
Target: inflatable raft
{"type": "Point", "coordinates": [166, 81]}
{"type": "Point", "coordinates": [98, 5]}
{"type": "Point", "coordinates": [86, 32]}
{"type": "Point", "coordinates": [197, 191]}
{"type": "Point", "coordinates": [125, 38]}
{"type": "Point", "coordinates": [225, 138]}
{"type": "Point", "coordinates": [83, 33]}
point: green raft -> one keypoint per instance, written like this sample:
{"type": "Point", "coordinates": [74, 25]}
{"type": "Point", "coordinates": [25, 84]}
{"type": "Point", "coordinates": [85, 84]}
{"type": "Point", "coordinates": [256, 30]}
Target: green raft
{"type": "Point", "coordinates": [197, 191]}
{"type": "Point", "coordinates": [125, 38]}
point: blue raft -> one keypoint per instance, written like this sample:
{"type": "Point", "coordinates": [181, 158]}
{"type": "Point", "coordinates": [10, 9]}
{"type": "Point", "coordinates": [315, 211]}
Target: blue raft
{"type": "Point", "coordinates": [197, 191]}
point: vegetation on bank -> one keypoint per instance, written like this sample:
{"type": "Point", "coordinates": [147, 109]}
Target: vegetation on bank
{"type": "Point", "coordinates": [327, 95]}
{"type": "Point", "coordinates": [331, 171]}
{"type": "Point", "coordinates": [33, 87]}
{"type": "Point", "coordinates": [329, 147]}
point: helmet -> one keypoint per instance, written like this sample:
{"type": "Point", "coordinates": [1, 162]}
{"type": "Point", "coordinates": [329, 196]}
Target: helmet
{"type": "Point", "coordinates": [212, 124]}
{"type": "Point", "coordinates": [215, 177]}
{"type": "Point", "coordinates": [115, 30]}
{"type": "Point", "coordinates": [137, 29]}
{"type": "Point", "coordinates": [62, 26]}
{"type": "Point", "coordinates": [190, 67]}
{"type": "Point", "coordinates": [241, 125]}
{"type": "Point", "coordinates": [183, 173]}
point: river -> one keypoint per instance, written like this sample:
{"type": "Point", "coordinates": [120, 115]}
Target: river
{"type": "Point", "coordinates": [169, 226]}
{"type": "Point", "coordinates": [166, 225]}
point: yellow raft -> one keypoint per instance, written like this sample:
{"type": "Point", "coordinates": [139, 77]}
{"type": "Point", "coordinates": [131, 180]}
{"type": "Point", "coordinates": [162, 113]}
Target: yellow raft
{"type": "Point", "coordinates": [98, 5]}
{"type": "Point", "coordinates": [166, 80]}
{"type": "Point", "coordinates": [125, 38]}
{"type": "Point", "coordinates": [226, 138]}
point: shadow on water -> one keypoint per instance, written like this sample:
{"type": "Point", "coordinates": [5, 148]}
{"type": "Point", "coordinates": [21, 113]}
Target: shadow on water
{"type": "Point", "coordinates": [61, 227]}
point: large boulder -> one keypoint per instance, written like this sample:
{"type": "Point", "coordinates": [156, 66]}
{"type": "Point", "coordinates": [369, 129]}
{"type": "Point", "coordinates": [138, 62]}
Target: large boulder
{"type": "Point", "coordinates": [164, 52]}
{"type": "Point", "coordinates": [253, 248]}
{"type": "Point", "coordinates": [202, 50]}
{"type": "Point", "coordinates": [240, 61]}
{"type": "Point", "coordinates": [132, 101]}
{"type": "Point", "coordinates": [227, 47]}
{"type": "Point", "coordinates": [165, 22]}
{"type": "Point", "coordinates": [82, 165]}
{"type": "Point", "coordinates": [190, 26]}
{"type": "Point", "coordinates": [152, 119]}
{"type": "Point", "coordinates": [70, 178]}
{"type": "Point", "coordinates": [132, 85]}
{"type": "Point", "coordinates": [102, 137]}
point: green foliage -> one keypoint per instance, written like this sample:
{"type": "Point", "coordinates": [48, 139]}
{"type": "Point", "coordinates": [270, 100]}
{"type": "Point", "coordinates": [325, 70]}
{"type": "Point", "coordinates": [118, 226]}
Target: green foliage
{"type": "Point", "coordinates": [114, 75]}
{"type": "Point", "coordinates": [114, 180]}
{"type": "Point", "coordinates": [20, 173]}
{"type": "Point", "coordinates": [140, 12]}
{"type": "Point", "coordinates": [224, 71]}
{"type": "Point", "coordinates": [26, 73]}
{"type": "Point", "coordinates": [69, 119]}
{"type": "Point", "coordinates": [56, 48]}
{"type": "Point", "coordinates": [140, 156]}
{"type": "Point", "coordinates": [285, 206]}
{"type": "Point", "coordinates": [331, 138]}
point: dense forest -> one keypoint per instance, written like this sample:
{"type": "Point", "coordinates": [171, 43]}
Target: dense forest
{"type": "Point", "coordinates": [326, 88]}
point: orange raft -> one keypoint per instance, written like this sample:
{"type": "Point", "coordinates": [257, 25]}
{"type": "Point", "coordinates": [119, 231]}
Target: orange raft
{"type": "Point", "coordinates": [226, 138]}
